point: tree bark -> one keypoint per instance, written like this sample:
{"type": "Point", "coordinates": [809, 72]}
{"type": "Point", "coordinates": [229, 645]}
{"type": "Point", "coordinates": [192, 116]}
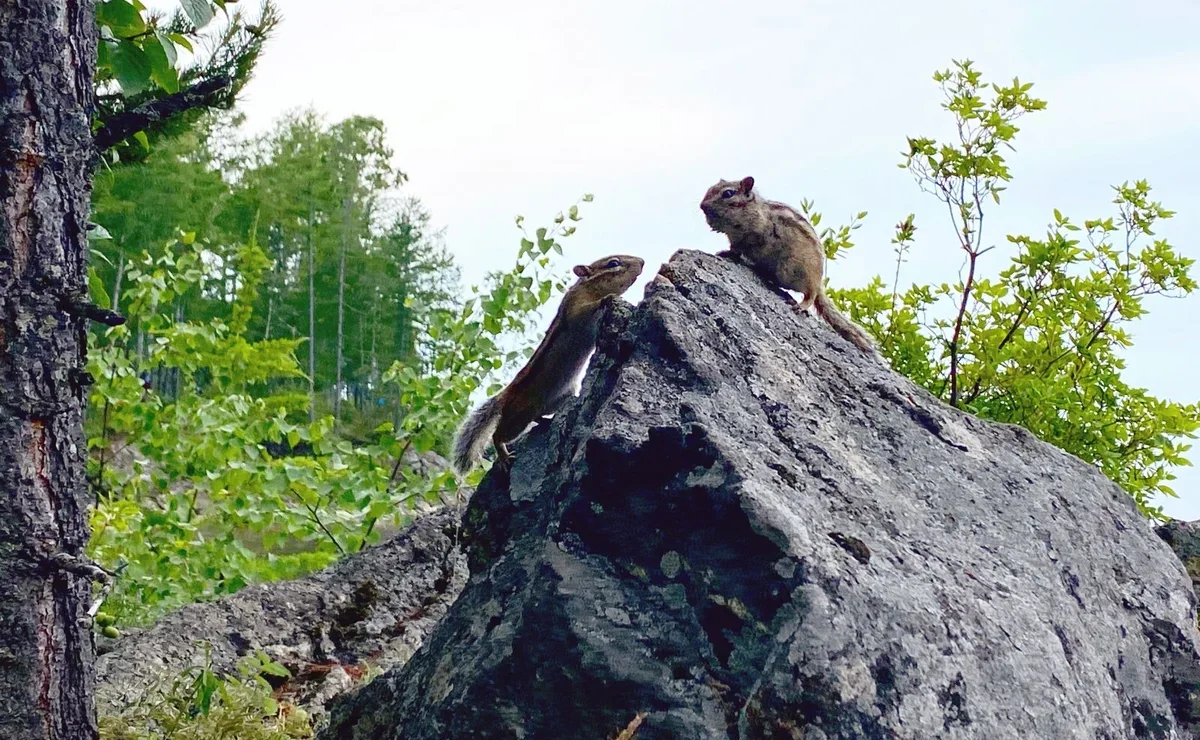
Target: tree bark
{"type": "Point", "coordinates": [312, 320]}
{"type": "Point", "coordinates": [270, 310]}
{"type": "Point", "coordinates": [116, 294]}
{"type": "Point", "coordinates": [47, 61]}
{"type": "Point", "coordinates": [341, 311]}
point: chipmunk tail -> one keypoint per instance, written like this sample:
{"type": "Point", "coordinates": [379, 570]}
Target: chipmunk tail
{"type": "Point", "coordinates": [849, 330]}
{"type": "Point", "coordinates": [472, 436]}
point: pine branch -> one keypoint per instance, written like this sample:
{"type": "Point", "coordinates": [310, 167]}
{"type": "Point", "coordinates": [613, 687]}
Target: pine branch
{"type": "Point", "coordinates": [205, 94]}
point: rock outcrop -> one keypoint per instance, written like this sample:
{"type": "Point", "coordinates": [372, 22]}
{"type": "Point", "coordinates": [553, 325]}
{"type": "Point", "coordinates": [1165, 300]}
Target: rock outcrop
{"type": "Point", "coordinates": [1184, 539]}
{"type": "Point", "coordinates": [369, 611]}
{"type": "Point", "coordinates": [744, 528]}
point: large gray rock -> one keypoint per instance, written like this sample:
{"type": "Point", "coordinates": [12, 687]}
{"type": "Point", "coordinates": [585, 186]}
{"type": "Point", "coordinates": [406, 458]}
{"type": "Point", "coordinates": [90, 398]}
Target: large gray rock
{"type": "Point", "coordinates": [1184, 539]}
{"type": "Point", "coordinates": [370, 611]}
{"type": "Point", "coordinates": [744, 528]}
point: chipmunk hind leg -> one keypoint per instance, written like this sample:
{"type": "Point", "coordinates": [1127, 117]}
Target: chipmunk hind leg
{"type": "Point", "coordinates": [513, 422]}
{"type": "Point", "coordinates": [504, 456]}
{"type": "Point", "coordinates": [800, 277]}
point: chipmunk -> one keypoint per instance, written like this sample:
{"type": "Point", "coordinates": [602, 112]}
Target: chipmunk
{"type": "Point", "coordinates": [549, 378]}
{"type": "Point", "coordinates": [781, 245]}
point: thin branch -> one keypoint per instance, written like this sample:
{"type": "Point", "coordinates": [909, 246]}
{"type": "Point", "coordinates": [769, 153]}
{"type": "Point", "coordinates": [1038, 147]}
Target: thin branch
{"type": "Point", "coordinates": [1092, 339]}
{"type": "Point", "coordinates": [409, 497]}
{"type": "Point", "coordinates": [399, 460]}
{"type": "Point", "coordinates": [370, 528]}
{"type": "Point", "coordinates": [83, 308]}
{"type": "Point", "coordinates": [1103, 325]}
{"type": "Point", "coordinates": [317, 518]}
{"type": "Point", "coordinates": [958, 324]}
{"type": "Point", "coordinates": [896, 285]}
{"type": "Point", "coordinates": [121, 126]}
{"type": "Point", "coordinates": [1012, 330]}
{"type": "Point", "coordinates": [103, 446]}
{"type": "Point", "coordinates": [80, 565]}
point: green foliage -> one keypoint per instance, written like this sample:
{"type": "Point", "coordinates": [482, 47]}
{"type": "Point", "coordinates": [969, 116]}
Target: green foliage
{"type": "Point", "coordinates": [199, 704]}
{"type": "Point", "coordinates": [133, 52]}
{"type": "Point", "coordinates": [467, 347]}
{"type": "Point", "coordinates": [1040, 342]}
{"type": "Point", "coordinates": [215, 478]}
{"type": "Point", "coordinates": [834, 240]}
{"type": "Point", "coordinates": [314, 193]}
{"type": "Point", "coordinates": [177, 479]}
{"type": "Point", "coordinates": [211, 463]}
{"type": "Point", "coordinates": [139, 53]}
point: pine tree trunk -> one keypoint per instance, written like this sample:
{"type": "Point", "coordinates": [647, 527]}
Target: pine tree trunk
{"type": "Point", "coordinates": [374, 344]}
{"type": "Point", "coordinates": [270, 310]}
{"type": "Point", "coordinates": [47, 61]}
{"type": "Point", "coordinates": [312, 322]}
{"type": "Point", "coordinates": [337, 397]}
{"type": "Point", "coordinates": [116, 293]}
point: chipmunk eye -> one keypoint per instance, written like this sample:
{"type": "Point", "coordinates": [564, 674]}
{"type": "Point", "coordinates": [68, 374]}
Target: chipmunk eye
{"type": "Point", "coordinates": [614, 262]}
{"type": "Point", "coordinates": [728, 193]}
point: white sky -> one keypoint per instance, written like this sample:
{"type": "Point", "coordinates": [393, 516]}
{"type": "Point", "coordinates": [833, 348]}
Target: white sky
{"type": "Point", "coordinates": [496, 109]}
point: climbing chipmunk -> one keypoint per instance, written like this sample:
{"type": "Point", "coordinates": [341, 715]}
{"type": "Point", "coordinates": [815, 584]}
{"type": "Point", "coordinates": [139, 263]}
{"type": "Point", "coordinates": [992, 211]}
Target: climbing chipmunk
{"type": "Point", "coordinates": [549, 378]}
{"type": "Point", "coordinates": [781, 245]}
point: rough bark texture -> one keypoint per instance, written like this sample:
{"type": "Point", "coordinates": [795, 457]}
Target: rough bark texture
{"type": "Point", "coordinates": [341, 312]}
{"type": "Point", "coordinates": [312, 322]}
{"type": "Point", "coordinates": [47, 58]}
{"type": "Point", "coordinates": [372, 609]}
{"type": "Point", "coordinates": [746, 529]}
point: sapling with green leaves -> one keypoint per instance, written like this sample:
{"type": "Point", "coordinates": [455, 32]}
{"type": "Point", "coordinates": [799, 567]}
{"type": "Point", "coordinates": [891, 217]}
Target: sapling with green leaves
{"type": "Point", "coordinates": [1038, 341]}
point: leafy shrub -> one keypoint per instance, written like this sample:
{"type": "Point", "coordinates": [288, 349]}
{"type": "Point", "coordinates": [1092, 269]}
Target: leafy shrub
{"type": "Point", "coordinates": [216, 480]}
{"type": "Point", "coordinates": [198, 704]}
{"type": "Point", "coordinates": [1040, 342]}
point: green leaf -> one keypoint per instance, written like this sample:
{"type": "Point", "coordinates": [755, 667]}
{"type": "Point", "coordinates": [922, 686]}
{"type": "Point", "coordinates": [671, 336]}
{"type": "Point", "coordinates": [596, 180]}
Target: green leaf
{"type": "Point", "coordinates": [131, 67]}
{"type": "Point", "coordinates": [104, 58]}
{"type": "Point", "coordinates": [96, 288]}
{"type": "Point", "coordinates": [142, 139]}
{"type": "Point", "coordinates": [181, 40]}
{"type": "Point", "coordinates": [162, 65]}
{"type": "Point", "coordinates": [271, 668]}
{"type": "Point", "coordinates": [121, 17]}
{"type": "Point", "coordinates": [206, 686]}
{"type": "Point", "coordinates": [98, 232]}
{"type": "Point", "coordinates": [200, 11]}
{"type": "Point", "coordinates": [168, 48]}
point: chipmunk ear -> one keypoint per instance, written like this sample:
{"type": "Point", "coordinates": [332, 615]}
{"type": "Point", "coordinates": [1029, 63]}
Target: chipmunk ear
{"type": "Point", "coordinates": [582, 270]}
{"type": "Point", "coordinates": [747, 185]}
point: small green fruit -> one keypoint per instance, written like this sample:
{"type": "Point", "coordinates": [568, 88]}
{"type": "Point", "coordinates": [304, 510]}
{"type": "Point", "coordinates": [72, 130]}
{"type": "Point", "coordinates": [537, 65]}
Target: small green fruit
{"type": "Point", "coordinates": [110, 631]}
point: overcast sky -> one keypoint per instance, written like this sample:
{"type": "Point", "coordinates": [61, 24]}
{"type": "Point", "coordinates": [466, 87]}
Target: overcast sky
{"type": "Point", "coordinates": [496, 109]}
